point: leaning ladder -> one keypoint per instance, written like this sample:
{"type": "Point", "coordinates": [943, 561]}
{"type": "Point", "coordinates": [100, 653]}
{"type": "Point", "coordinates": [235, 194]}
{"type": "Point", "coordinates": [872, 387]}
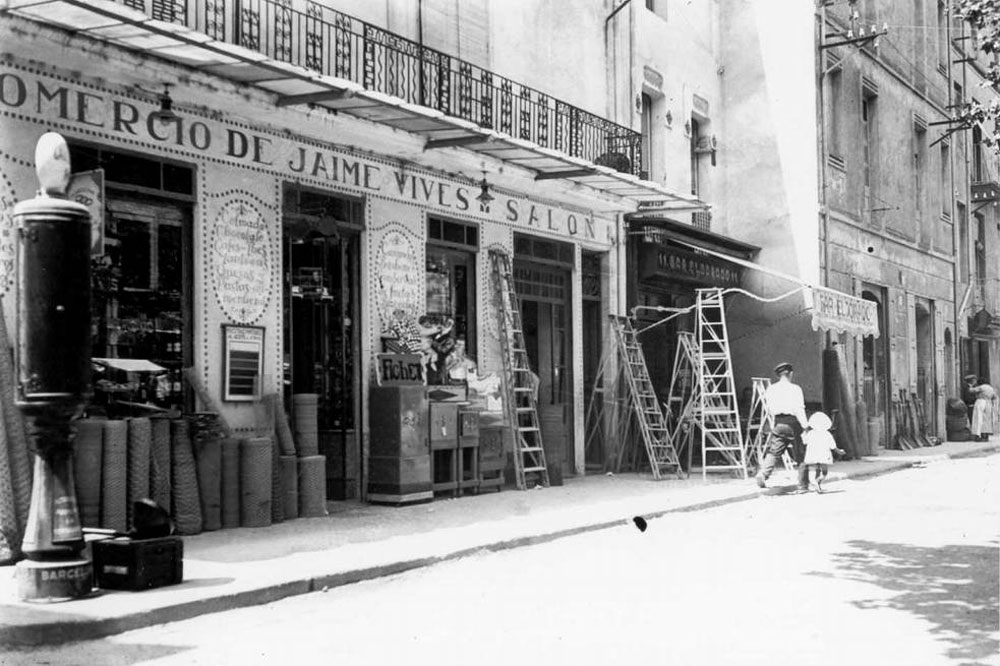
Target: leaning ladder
{"type": "Point", "coordinates": [682, 398]}
{"type": "Point", "coordinates": [519, 382]}
{"type": "Point", "coordinates": [652, 426]}
{"type": "Point", "coordinates": [718, 413]}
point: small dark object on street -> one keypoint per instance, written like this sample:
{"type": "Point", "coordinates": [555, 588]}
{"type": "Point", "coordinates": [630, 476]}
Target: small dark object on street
{"type": "Point", "coordinates": [150, 520]}
{"type": "Point", "coordinates": [640, 522]}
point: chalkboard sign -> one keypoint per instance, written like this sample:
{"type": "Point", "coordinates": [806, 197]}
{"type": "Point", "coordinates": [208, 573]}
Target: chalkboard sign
{"type": "Point", "coordinates": [243, 351]}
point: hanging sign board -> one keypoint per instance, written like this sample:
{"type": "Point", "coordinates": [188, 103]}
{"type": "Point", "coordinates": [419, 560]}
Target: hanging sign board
{"type": "Point", "coordinates": [243, 352]}
{"type": "Point", "coordinates": [842, 313]}
{"type": "Point", "coordinates": [400, 369]}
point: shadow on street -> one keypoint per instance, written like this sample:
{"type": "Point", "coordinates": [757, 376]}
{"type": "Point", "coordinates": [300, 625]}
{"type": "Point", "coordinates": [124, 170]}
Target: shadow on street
{"type": "Point", "coordinates": [955, 588]}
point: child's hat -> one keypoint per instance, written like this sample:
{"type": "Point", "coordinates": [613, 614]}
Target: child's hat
{"type": "Point", "coordinates": [820, 421]}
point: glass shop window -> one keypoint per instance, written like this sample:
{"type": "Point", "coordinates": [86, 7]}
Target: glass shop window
{"type": "Point", "coordinates": [449, 321]}
{"type": "Point", "coordinates": [140, 301]}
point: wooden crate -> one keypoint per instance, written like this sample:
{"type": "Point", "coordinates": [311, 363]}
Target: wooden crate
{"type": "Point", "coordinates": [141, 564]}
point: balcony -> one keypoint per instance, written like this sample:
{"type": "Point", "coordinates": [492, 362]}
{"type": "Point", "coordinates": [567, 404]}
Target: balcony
{"type": "Point", "coordinates": [985, 183]}
{"type": "Point", "coordinates": [329, 59]}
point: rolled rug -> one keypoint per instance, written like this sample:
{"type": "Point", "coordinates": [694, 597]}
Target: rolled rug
{"type": "Point", "coordinates": [306, 427]}
{"type": "Point", "coordinates": [255, 482]}
{"type": "Point", "coordinates": [208, 455]}
{"type": "Point", "coordinates": [277, 505]}
{"type": "Point", "coordinates": [186, 502]}
{"type": "Point", "coordinates": [281, 427]}
{"type": "Point", "coordinates": [290, 486]}
{"type": "Point", "coordinates": [140, 442]}
{"type": "Point", "coordinates": [230, 493]}
{"type": "Point", "coordinates": [114, 476]}
{"type": "Point", "coordinates": [159, 464]}
{"type": "Point", "coordinates": [88, 460]}
{"type": "Point", "coordinates": [312, 486]}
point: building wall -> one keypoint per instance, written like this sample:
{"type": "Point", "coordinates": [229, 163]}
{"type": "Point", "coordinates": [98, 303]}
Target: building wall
{"type": "Point", "coordinates": [243, 149]}
{"type": "Point", "coordinates": [898, 233]}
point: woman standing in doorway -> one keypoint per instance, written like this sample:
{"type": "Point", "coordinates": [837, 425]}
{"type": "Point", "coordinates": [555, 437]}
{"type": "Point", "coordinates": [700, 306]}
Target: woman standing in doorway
{"type": "Point", "coordinates": [983, 409]}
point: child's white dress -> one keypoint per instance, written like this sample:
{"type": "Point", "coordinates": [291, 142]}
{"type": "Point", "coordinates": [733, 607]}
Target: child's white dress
{"type": "Point", "coordinates": [818, 440]}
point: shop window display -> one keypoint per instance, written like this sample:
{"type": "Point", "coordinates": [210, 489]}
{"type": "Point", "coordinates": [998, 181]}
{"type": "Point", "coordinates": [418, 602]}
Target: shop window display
{"type": "Point", "coordinates": [138, 275]}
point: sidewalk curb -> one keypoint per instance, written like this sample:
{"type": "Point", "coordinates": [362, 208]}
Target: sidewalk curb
{"type": "Point", "coordinates": [52, 633]}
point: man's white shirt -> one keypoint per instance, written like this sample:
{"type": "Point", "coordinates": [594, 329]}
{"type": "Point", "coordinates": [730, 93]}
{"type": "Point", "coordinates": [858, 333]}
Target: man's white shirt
{"type": "Point", "coordinates": [784, 397]}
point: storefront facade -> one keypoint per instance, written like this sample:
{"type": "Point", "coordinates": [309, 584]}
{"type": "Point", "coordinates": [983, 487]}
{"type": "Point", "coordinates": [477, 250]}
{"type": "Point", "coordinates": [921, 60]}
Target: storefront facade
{"type": "Point", "coordinates": [278, 251]}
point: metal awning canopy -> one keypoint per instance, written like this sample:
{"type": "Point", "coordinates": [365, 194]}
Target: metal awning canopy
{"type": "Point", "coordinates": [132, 29]}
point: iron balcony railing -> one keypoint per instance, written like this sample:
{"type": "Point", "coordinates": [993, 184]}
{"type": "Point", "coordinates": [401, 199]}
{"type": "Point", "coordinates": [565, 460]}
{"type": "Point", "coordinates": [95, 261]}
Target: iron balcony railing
{"type": "Point", "coordinates": [335, 44]}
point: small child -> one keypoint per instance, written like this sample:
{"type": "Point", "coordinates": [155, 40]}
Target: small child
{"type": "Point", "coordinates": [819, 447]}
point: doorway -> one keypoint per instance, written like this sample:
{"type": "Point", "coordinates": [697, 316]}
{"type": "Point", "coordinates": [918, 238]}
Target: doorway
{"type": "Point", "coordinates": [544, 290]}
{"type": "Point", "coordinates": [321, 311]}
{"type": "Point", "coordinates": [593, 357]}
{"type": "Point", "coordinates": [875, 371]}
{"type": "Point", "coordinates": [926, 375]}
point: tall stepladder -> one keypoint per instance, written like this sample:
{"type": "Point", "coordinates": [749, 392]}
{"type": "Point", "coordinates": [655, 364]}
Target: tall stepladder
{"type": "Point", "coordinates": [519, 382]}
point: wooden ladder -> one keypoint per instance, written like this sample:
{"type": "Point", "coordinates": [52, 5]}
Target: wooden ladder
{"type": "Point", "coordinates": [719, 417]}
{"type": "Point", "coordinates": [642, 398]}
{"type": "Point", "coordinates": [520, 383]}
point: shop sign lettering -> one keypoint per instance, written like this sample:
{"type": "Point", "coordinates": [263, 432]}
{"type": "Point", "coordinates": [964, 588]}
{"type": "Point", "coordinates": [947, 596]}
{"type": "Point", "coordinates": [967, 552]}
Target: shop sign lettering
{"type": "Point", "coordinates": [843, 313]}
{"type": "Point", "coordinates": [398, 266]}
{"type": "Point", "coordinates": [241, 261]}
{"type": "Point", "coordinates": [400, 369]}
{"type": "Point", "coordinates": [89, 110]}
{"type": "Point", "coordinates": [684, 265]}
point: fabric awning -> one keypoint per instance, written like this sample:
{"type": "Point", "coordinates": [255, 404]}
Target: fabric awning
{"type": "Point", "coordinates": [841, 313]}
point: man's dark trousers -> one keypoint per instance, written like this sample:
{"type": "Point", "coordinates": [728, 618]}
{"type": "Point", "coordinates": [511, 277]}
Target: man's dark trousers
{"type": "Point", "coordinates": [798, 451]}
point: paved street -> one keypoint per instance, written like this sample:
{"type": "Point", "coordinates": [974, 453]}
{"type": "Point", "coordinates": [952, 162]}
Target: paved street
{"type": "Point", "coordinates": [898, 569]}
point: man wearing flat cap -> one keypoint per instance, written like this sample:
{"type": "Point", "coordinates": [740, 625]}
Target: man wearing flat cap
{"type": "Point", "coordinates": [787, 406]}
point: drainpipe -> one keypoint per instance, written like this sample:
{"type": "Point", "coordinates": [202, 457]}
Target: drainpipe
{"type": "Point", "coordinates": [610, 55]}
{"type": "Point", "coordinates": [821, 148]}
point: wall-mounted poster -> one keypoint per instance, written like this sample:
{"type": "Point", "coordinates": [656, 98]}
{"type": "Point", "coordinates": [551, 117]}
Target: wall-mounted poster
{"type": "Point", "coordinates": [243, 352]}
{"type": "Point", "coordinates": [87, 188]}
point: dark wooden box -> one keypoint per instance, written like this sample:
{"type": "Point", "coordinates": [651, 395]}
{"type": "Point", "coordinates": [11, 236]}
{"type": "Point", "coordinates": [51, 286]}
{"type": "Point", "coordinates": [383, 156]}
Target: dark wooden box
{"type": "Point", "coordinates": [127, 564]}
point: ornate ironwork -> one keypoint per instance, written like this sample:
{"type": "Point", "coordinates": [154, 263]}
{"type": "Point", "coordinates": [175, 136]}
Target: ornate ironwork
{"type": "Point", "coordinates": [283, 30]}
{"type": "Point", "coordinates": [465, 90]}
{"type": "Point", "coordinates": [506, 105]}
{"type": "Point", "coordinates": [171, 11]}
{"type": "Point", "coordinates": [336, 44]}
{"type": "Point", "coordinates": [314, 37]}
{"type": "Point", "coordinates": [249, 28]}
{"type": "Point", "coordinates": [343, 47]}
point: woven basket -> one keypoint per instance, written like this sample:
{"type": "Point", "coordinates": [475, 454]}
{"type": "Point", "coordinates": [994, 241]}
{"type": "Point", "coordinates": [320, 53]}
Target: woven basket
{"type": "Point", "coordinates": [114, 476]}
{"type": "Point", "coordinates": [255, 482]}
{"type": "Point", "coordinates": [312, 486]}
{"type": "Point", "coordinates": [185, 500]}
{"type": "Point", "coordinates": [88, 461]}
